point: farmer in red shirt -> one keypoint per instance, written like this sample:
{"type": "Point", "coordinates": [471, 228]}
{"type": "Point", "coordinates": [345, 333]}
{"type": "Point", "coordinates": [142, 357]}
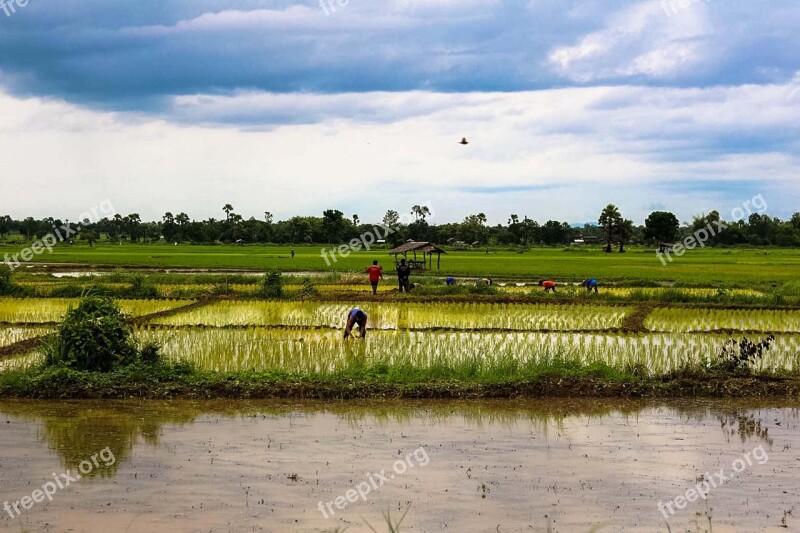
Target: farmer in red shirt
{"type": "Point", "coordinates": [375, 273]}
{"type": "Point", "coordinates": [548, 285]}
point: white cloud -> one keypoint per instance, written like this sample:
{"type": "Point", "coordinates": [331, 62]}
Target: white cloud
{"type": "Point", "coordinates": [639, 40]}
{"type": "Point", "coordinates": [567, 152]}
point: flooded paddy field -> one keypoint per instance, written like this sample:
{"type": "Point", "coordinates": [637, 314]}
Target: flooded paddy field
{"type": "Point", "coordinates": [534, 465]}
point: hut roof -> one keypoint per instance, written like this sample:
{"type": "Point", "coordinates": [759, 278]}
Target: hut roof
{"type": "Point", "coordinates": [416, 246]}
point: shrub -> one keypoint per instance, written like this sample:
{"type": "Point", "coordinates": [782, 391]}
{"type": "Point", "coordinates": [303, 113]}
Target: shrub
{"type": "Point", "coordinates": [272, 287]}
{"type": "Point", "coordinates": [740, 356]}
{"type": "Point", "coordinates": [140, 288]}
{"type": "Point", "coordinates": [307, 290]}
{"type": "Point", "coordinates": [6, 287]}
{"type": "Point", "coordinates": [95, 336]}
{"type": "Point", "coordinates": [76, 290]}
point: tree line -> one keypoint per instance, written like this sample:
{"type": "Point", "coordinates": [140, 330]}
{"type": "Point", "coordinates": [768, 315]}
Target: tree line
{"type": "Point", "coordinates": [612, 229]}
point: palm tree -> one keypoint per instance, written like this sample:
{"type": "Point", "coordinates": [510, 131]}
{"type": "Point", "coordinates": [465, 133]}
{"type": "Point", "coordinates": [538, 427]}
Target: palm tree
{"type": "Point", "coordinates": [609, 219]}
{"type": "Point", "coordinates": [420, 211]}
{"type": "Point", "coordinates": [182, 220]}
{"type": "Point", "coordinates": [228, 208]}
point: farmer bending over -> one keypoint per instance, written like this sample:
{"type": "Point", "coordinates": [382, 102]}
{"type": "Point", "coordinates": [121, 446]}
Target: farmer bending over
{"type": "Point", "coordinates": [356, 317]}
{"type": "Point", "coordinates": [548, 285]}
{"type": "Point", "coordinates": [590, 284]}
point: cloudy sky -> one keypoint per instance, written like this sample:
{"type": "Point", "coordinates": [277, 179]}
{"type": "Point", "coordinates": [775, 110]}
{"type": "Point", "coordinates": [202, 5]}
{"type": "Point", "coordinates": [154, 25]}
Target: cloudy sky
{"type": "Point", "coordinates": [294, 107]}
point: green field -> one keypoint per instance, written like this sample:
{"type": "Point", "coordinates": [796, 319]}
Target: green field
{"type": "Point", "coordinates": [650, 324]}
{"type": "Point", "coordinates": [700, 267]}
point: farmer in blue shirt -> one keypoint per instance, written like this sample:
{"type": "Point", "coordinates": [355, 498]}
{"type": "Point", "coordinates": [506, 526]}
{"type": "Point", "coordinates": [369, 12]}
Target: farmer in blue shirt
{"type": "Point", "coordinates": [590, 284]}
{"type": "Point", "coordinates": [356, 317]}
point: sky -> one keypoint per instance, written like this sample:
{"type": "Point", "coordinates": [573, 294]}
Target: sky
{"type": "Point", "coordinates": [359, 105]}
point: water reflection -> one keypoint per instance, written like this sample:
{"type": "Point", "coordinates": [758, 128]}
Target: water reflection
{"type": "Point", "coordinates": [77, 429]}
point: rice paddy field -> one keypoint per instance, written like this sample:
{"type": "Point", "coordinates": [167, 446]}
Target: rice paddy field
{"type": "Point", "coordinates": [703, 268]}
{"type": "Point", "coordinates": [48, 310]}
{"type": "Point", "coordinates": [403, 315]}
{"type": "Point", "coordinates": [469, 341]}
{"type": "Point", "coordinates": [305, 337]}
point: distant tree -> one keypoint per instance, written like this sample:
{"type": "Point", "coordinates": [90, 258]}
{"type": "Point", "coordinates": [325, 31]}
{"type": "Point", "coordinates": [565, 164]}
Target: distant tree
{"type": "Point", "coordinates": [5, 225]}
{"type": "Point", "coordinates": [553, 232]}
{"type": "Point", "coordinates": [355, 220]}
{"type": "Point", "coordinates": [515, 229]}
{"type": "Point", "coordinates": [228, 208]}
{"type": "Point", "coordinates": [182, 220]}
{"type": "Point", "coordinates": [420, 211]}
{"type": "Point", "coordinates": [169, 227]}
{"type": "Point", "coordinates": [625, 231]}
{"type": "Point", "coordinates": [609, 219]}
{"type": "Point", "coordinates": [131, 226]}
{"type": "Point", "coordinates": [29, 227]}
{"type": "Point", "coordinates": [473, 229]}
{"type": "Point", "coordinates": [267, 217]}
{"type": "Point", "coordinates": [332, 225]}
{"type": "Point", "coordinates": [530, 230]}
{"type": "Point", "coordinates": [763, 229]}
{"type": "Point", "coordinates": [661, 226]}
{"type": "Point", "coordinates": [90, 237]}
{"type": "Point", "coordinates": [419, 230]}
{"type": "Point", "coordinates": [795, 221]}
{"type": "Point", "coordinates": [711, 220]}
{"type": "Point", "coordinates": [391, 218]}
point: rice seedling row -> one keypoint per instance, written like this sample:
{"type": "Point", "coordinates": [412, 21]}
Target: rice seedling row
{"type": "Point", "coordinates": [678, 319]}
{"type": "Point", "coordinates": [11, 335]}
{"type": "Point", "coordinates": [48, 310]}
{"type": "Point", "coordinates": [404, 315]}
{"type": "Point", "coordinates": [319, 352]}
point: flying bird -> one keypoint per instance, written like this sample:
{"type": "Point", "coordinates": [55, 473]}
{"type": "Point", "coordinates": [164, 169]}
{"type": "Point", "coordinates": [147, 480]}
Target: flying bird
{"type": "Point", "coordinates": [463, 140]}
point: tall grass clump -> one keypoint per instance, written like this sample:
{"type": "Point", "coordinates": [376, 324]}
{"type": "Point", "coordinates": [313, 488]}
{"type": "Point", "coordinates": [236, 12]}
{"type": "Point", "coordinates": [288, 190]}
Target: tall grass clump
{"type": "Point", "coordinates": [7, 287]}
{"type": "Point", "coordinates": [272, 286]}
{"type": "Point", "coordinates": [307, 290]}
{"type": "Point", "coordinates": [95, 337]}
{"type": "Point", "coordinates": [141, 288]}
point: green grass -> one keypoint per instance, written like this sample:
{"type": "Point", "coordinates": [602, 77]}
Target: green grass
{"type": "Point", "coordinates": [701, 267]}
{"type": "Point", "coordinates": [382, 379]}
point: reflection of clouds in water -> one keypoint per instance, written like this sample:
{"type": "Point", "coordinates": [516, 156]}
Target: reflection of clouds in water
{"type": "Point", "coordinates": [580, 462]}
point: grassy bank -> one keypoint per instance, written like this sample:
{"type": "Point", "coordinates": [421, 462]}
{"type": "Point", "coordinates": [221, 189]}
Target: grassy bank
{"type": "Point", "coordinates": [554, 379]}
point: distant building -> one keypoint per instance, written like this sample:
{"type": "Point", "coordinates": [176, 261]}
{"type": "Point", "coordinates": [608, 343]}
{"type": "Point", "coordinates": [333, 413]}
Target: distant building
{"type": "Point", "coordinates": [585, 240]}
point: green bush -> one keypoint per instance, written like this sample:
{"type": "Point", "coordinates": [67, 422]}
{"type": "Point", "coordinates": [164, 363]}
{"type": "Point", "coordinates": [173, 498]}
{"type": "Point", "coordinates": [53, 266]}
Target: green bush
{"type": "Point", "coordinates": [140, 288]}
{"type": "Point", "coordinates": [95, 336]}
{"type": "Point", "coordinates": [6, 287]}
{"type": "Point", "coordinates": [272, 287]}
{"type": "Point", "coordinates": [307, 290]}
{"type": "Point", "coordinates": [77, 290]}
